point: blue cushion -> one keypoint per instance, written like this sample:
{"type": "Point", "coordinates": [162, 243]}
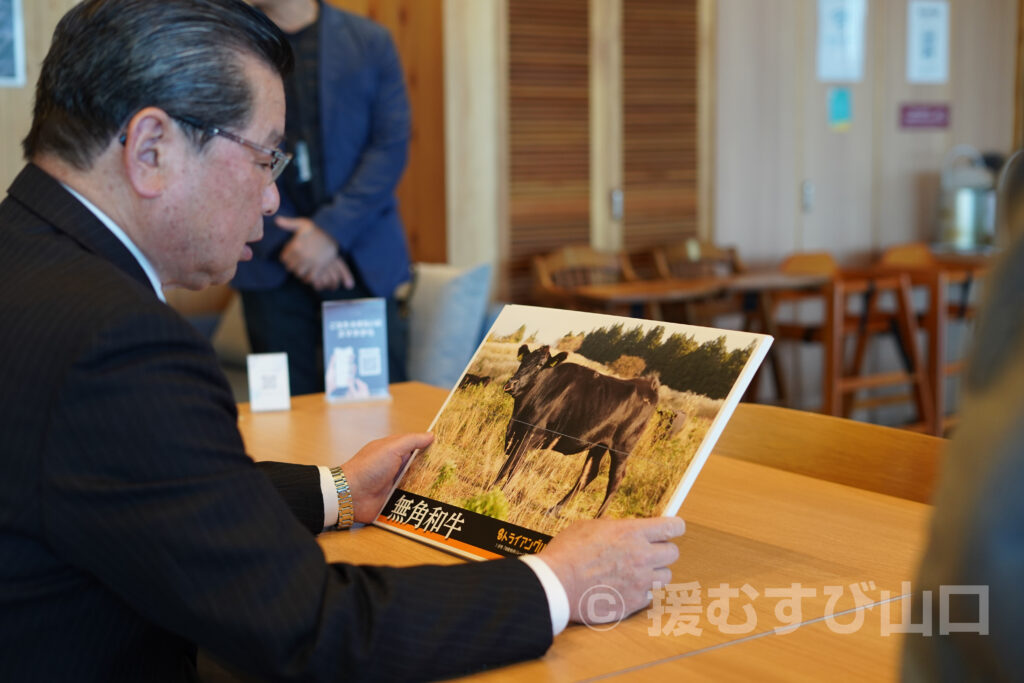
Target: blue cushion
{"type": "Point", "coordinates": [447, 308]}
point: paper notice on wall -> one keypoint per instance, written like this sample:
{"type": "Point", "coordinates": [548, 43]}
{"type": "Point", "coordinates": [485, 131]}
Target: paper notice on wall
{"type": "Point", "coordinates": [927, 41]}
{"type": "Point", "coordinates": [841, 40]}
{"type": "Point", "coordinates": [12, 45]}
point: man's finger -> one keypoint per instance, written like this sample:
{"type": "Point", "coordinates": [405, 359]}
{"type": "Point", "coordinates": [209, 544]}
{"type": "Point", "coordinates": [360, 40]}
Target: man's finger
{"type": "Point", "coordinates": [662, 528]}
{"type": "Point", "coordinates": [663, 554]}
{"type": "Point", "coordinates": [347, 278]}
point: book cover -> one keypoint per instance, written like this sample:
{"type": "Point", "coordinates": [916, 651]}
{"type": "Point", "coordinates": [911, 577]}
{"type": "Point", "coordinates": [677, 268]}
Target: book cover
{"type": "Point", "coordinates": [355, 350]}
{"type": "Point", "coordinates": [566, 415]}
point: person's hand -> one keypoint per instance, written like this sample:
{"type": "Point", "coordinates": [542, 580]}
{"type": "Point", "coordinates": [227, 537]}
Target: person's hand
{"type": "Point", "coordinates": [332, 275]}
{"type": "Point", "coordinates": [372, 472]}
{"type": "Point", "coordinates": [627, 555]}
{"type": "Point", "coordinates": [312, 255]}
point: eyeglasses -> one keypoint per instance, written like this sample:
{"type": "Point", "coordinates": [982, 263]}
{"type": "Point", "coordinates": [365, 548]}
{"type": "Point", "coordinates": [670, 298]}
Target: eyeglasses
{"type": "Point", "coordinates": [278, 159]}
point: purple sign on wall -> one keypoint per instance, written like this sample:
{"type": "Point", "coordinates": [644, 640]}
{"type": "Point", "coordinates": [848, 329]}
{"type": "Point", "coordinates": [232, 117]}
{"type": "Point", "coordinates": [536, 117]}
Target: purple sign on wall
{"type": "Point", "coordinates": [924, 116]}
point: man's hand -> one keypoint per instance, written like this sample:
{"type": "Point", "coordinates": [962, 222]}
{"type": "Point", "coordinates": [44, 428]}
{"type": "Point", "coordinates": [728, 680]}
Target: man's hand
{"type": "Point", "coordinates": [372, 471]}
{"type": "Point", "coordinates": [628, 555]}
{"type": "Point", "coordinates": [312, 255]}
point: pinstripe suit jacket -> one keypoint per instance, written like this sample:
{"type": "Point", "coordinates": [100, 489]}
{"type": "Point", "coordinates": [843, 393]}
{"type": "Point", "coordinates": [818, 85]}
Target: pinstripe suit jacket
{"type": "Point", "coordinates": [132, 524]}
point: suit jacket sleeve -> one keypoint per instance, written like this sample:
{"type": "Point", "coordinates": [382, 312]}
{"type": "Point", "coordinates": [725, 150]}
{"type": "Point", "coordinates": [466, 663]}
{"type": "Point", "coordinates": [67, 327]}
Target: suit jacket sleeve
{"type": "Point", "coordinates": [147, 489]}
{"type": "Point", "coordinates": [356, 206]}
{"type": "Point", "coordinates": [299, 486]}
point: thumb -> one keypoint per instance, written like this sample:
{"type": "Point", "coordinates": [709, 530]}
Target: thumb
{"type": "Point", "coordinates": [407, 443]}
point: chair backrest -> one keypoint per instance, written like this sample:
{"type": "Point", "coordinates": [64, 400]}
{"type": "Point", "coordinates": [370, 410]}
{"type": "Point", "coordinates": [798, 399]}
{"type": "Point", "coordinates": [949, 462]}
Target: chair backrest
{"type": "Point", "coordinates": [447, 308]}
{"type": "Point", "coordinates": [892, 461]}
{"type": "Point", "coordinates": [579, 265]}
{"type": "Point", "coordinates": [911, 255]}
{"type": "Point", "coordinates": [694, 258]}
{"type": "Point", "coordinates": [810, 263]}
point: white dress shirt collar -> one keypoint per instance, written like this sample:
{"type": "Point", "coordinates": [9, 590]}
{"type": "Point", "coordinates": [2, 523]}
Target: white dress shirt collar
{"type": "Point", "coordinates": [120, 234]}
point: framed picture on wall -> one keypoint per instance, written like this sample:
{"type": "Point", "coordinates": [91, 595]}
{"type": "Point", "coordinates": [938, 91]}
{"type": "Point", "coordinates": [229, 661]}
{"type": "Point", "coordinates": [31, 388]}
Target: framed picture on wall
{"type": "Point", "coordinates": [12, 45]}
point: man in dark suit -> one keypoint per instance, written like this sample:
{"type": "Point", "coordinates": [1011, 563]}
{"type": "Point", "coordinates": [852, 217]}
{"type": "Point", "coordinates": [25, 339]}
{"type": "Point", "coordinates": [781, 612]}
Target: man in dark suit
{"type": "Point", "coordinates": [338, 233]}
{"type": "Point", "coordinates": [133, 526]}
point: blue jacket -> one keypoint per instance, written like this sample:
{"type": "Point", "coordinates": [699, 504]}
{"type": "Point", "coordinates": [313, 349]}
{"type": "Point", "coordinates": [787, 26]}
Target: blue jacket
{"type": "Point", "coordinates": [364, 119]}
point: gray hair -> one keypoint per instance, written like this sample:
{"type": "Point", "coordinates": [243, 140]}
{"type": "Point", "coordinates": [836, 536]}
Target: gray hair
{"type": "Point", "coordinates": [111, 58]}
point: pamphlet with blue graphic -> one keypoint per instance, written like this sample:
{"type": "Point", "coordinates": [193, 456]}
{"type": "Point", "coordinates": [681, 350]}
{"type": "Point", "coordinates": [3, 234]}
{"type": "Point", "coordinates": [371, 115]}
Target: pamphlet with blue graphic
{"type": "Point", "coordinates": [566, 415]}
{"type": "Point", "coordinates": [355, 350]}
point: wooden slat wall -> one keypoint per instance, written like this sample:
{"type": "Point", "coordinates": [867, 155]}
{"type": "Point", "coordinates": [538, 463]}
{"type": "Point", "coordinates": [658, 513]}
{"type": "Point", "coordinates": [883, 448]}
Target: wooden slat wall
{"type": "Point", "coordinates": [1018, 116]}
{"type": "Point", "coordinates": [416, 27]}
{"type": "Point", "coordinates": [549, 175]}
{"type": "Point", "coordinates": [660, 48]}
{"type": "Point", "coordinates": [39, 18]}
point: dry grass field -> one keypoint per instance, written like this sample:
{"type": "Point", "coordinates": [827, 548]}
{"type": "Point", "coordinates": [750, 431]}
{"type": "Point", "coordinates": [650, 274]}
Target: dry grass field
{"type": "Point", "coordinates": [461, 465]}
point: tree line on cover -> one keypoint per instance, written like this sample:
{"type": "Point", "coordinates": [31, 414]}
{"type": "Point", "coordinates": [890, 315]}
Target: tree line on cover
{"type": "Point", "coordinates": [680, 362]}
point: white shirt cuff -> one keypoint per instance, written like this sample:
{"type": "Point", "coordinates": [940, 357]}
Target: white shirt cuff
{"type": "Point", "coordinates": [558, 600]}
{"type": "Point", "coordinates": [330, 495]}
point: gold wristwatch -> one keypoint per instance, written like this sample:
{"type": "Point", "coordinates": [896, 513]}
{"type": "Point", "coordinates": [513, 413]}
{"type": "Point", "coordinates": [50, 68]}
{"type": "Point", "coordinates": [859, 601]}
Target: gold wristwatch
{"type": "Point", "coordinates": [345, 513]}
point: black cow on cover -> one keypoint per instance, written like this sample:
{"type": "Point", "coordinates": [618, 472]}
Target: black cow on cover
{"type": "Point", "coordinates": [570, 408]}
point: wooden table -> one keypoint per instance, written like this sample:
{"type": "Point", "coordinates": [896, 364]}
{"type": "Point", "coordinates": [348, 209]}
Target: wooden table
{"type": "Point", "coordinates": [749, 526]}
{"type": "Point", "coordinates": [757, 288]}
{"type": "Point", "coordinates": [634, 296]}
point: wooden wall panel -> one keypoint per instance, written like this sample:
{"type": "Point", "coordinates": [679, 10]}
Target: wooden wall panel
{"type": "Point", "coordinates": [40, 18]}
{"type": "Point", "coordinates": [549, 172]}
{"type": "Point", "coordinates": [416, 27]}
{"type": "Point", "coordinates": [476, 125]}
{"type": "Point", "coordinates": [757, 126]}
{"type": "Point", "coordinates": [875, 184]}
{"type": "Point", "coordinates": [660, 98]}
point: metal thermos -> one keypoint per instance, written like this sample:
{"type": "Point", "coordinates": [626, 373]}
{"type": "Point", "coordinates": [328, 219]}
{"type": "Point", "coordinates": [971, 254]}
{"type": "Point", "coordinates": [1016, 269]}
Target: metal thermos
{"type": "Point", "coordinates": [967, 205]}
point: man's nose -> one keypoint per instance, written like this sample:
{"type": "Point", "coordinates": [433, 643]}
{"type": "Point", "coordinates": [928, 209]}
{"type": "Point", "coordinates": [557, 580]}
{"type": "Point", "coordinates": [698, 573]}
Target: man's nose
{"type": "Point", "coordinates": [271, 199]}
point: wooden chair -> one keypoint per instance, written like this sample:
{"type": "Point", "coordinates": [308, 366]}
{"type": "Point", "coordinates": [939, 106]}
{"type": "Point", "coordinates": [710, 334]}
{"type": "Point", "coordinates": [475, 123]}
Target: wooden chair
{"type": "Point", "coordinates": [895, 462]}
{"type": "Point", "coordinates": [845, 383]}
{"type": "Point", "coordinates": [803, 263]}
{"type": "Point", "coordinates": [948, 289]}
{"type": "Point", "coordinates": [696, 259]}
{"type": "Point", "coordinates": [693, 258]}
{"type": "Point", "coordinates": [556, 274]}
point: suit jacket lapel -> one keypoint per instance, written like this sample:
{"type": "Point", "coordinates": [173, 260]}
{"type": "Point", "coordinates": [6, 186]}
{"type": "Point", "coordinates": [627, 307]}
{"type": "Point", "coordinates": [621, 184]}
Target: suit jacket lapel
{"type": "Point", "coordinates": [44, 196]}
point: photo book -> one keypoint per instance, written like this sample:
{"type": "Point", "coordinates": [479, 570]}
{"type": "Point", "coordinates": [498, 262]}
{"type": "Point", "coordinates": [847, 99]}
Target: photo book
{"type": "Point", "coordinates": [355, 350]}
{"type": "Point", "coordinates": [565, 415]}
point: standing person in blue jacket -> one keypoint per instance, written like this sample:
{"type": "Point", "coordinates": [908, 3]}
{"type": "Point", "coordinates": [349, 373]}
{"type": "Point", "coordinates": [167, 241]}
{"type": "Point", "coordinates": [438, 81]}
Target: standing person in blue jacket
{"type": "Point", "coordinates": [338, 234]}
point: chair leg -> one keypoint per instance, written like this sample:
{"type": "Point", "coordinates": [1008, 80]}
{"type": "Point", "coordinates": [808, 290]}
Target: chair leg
{"type": "Point", "coordinates": [906, 320]}
{"type": "Point", "coordinates": [860, 351]}
{"type": "Point", "coordinates": [935, 327]}
{"type": "Point", "coordinates": [832, 341]}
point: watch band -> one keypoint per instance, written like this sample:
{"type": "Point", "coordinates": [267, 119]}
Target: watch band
{"type": "Point", "coordinates": [345, 514]}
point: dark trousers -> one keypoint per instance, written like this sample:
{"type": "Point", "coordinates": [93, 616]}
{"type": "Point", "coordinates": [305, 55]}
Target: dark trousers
{"type": "Point", "coordinates": [289, 319]}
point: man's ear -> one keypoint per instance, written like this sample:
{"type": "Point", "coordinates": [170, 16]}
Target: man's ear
{"type": "Point", "coordinates": [149, 144]}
